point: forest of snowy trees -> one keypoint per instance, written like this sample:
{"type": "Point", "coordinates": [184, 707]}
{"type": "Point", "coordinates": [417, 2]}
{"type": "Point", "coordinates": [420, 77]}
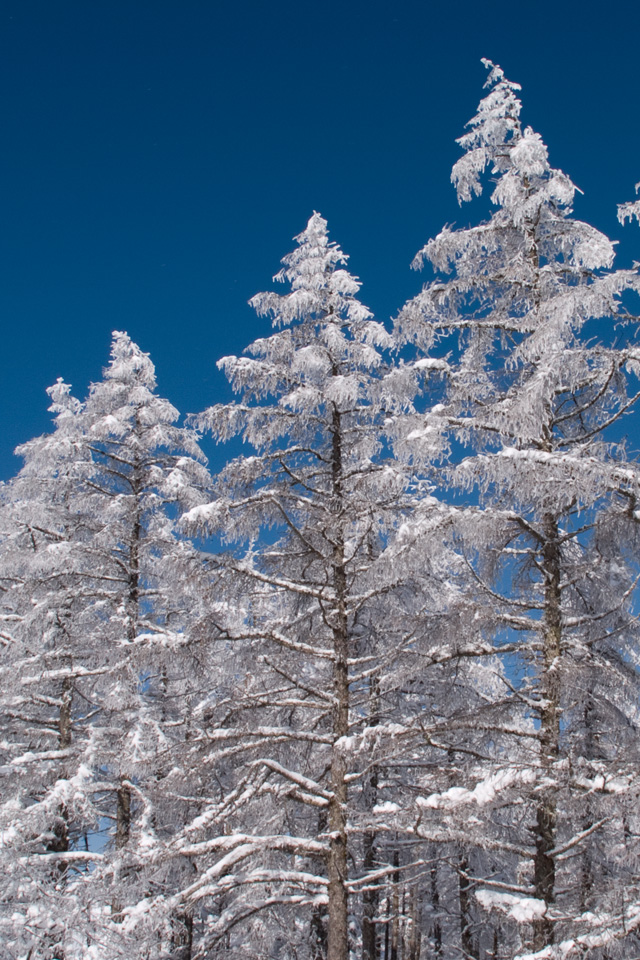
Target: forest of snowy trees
{"type": "Point", "coordinates": [371, 691]}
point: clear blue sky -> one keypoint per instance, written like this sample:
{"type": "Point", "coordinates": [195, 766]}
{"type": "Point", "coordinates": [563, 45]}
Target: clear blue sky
{"type": "Point", "coordinates": [158, 156]}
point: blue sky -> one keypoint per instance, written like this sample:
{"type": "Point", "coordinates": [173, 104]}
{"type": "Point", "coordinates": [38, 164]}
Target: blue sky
{"type": "Point", "coordinates": [159, 156]}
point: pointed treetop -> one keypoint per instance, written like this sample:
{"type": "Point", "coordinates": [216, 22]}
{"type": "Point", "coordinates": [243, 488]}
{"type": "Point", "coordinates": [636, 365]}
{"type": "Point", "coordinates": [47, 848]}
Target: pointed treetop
{"type": "Point", "coordinates": [129, 363]}
{"type": "Point", "coordinates": [47, 454]}
{"type": "Point", "coordinates": [496, 123]}
{"type": "Point", "coordinates": [319, 289]}
{"type": "Point", "coordinates": [126, 398]}
{"type": "Point", "coordinates": [315, 258]}
{"type": "Point", "coordinates": [532, 196]}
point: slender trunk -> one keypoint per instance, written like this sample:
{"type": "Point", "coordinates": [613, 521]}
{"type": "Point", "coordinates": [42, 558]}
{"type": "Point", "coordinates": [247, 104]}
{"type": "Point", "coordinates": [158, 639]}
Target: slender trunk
{"type": "Point", "coordinates": [123, 830]}
{"type": "Point", "coordinates": [387, 929]}
{"type": "Point", "coordinates": [59, 841]}
{"type": "Point", "coordinates": [413, 941]}
{"type": "Point", "coordinates": [496, 942]}
{"type": "Point", "coordinates": [370, 898]}
{"type": "Point", "coordinates": [133, 597]}
{"type": "Point", "coordinates": [319, 915]}
{"type": "Point", "coordinates": [337, 941]}
{"type": "Point", "coordinates": [123, 814]}
{"type": "Point", "coordinates": [395, 908]}
{"type": "Point", "coordinates": [544, 873]}
{"type": "Point", "coordinates": [183, 938]}
{"type": "Point", "coordinates": [123, 794]}
{"type": "Point", "coordinates": [338, 918]}
{"type": "Point", "coordinates": [586, 879]}
{"type": "Point", "coordinates": [64, 719]}
{"type": "Point", "coordinates": [469, 946]}
{"type": "Point", "coordinates": [436, 927]}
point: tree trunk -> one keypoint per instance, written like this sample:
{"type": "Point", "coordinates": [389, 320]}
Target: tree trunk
{"type": "Point", "coordinates": [59, 843]}
{"type": "Point", "coordinates": [496, 942]}
{"type": "Point", "coordinates": [319, 914]}
{"type": "Point", "coordinates": [589, 751]}
{"type": "Point", "coordinates": [183, 937]}
{"type": "Point", "coordinates": [370, 898]}
{"type": "Point", "coordinates": [467, 940]}
{"type": "Point", "coordinates": [123, 830]}
{"type": "Point", "coordinates": [123, 794]}
{"type": "Point", "coordinates": [395, 908]}
{"type": "Point", "coordinates": [544, 873]}
{"type": "Point", "coordinates": [436, 927]}
{"type": "Point", "coordinates": [414, 938]}
{"type": "Point", "coordinates": [338, 919]}
{"type": "Point", "coordinates": [387, 929]}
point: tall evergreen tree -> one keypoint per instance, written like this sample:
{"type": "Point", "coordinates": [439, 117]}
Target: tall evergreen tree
{"type": "Point", "coordinates": [145, 471]}
{"type": "Point", "coordinates": [48, 673]}
{"type": "Point", "coordinates": [333, 605]}
{"type": "Point", "coordinates": [534, 399]}
{"type": "Point", "coordinates": [105, 599]}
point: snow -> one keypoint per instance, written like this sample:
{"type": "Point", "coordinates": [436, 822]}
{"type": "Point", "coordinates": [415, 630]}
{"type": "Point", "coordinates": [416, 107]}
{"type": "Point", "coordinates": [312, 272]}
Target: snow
{"type": "Point", "coordinates": [483, 793]}
{"type": "Point", "coordinates": [521, 909]}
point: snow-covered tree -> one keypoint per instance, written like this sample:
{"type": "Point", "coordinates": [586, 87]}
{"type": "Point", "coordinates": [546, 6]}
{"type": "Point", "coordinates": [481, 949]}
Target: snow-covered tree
{"type": "Point", "coordinates": [329, 601]}
{"type": "Point", "coordinates": [48, 673]}
{"type": "Point", "coordinates": [534, 399]}
{"type": "Point", "coordinates": [145, 470]}
{"type": "Point", "coordinates": [105, 600]}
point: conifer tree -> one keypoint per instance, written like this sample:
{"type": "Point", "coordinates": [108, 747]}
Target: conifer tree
{"type": "Point", "coordinates": [534, 401]}
{"type": "Point", "coordinates": [144, 471]}
{"type": "Point", "coordinates": [629, 210]}
{"type": "Point", "coordinates": [48, 673]}
{"type": "Point", "coordinates": [105, 602]}
{"type": "Point", "coordinates": [333, 605]}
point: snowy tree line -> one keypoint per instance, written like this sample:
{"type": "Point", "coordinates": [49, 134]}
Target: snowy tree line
{"type": "Point", "coordinates": [371, 691]}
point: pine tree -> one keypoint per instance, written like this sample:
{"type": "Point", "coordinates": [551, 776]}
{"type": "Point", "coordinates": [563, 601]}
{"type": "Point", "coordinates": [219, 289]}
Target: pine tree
{"type": "Point", "coordinates": [108, 655]}
{"type": "Point", "coordinates": [145, 581]}
{"type": "Point", "coordinates": [328, 602]}
{"type": "Point", "coordinates": [48, 673]}
{"type": "Point", "coordinates": [534, 401]}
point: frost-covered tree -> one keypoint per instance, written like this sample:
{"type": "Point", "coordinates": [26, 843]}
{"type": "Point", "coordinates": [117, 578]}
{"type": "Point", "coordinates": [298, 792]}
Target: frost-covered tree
{"type": "Point", "coordinates": [393, 713]}
{"type": "Point", "coordinates": [331, 603]}
{"type": "Point", "coordinates": [106, 601]}
{"type": "Point", "coordinates": [48, 672]}
{"type": "Point", "coordinates": [144, 471]}
{"type": "Point", "coordinates": [534, 400]}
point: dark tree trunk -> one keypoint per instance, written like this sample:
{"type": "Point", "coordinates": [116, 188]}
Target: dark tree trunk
{"type": "Point", "coordinates": [183, 937]}
{"type": "Point", "coordinates": [319, 915]}
{"type": "Point", "coordinates": [467, 940]}
{"type": "Point", "coordinates": [544, 873]}
{"type": "Point", "coordinates": [370, 898]}
{"type": "Point", "coordinates": [436, 926]}
{"type": "Point", "coordinates": [589, 751]}
{"type": "Point", "coordinates": [414, 938]}
{"type": "Point", "coordinates": [395, 908]}
{"type": "Point", "coordinates": [338, 918]}
{"type": "Point", "coordinates": [123, 794]}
